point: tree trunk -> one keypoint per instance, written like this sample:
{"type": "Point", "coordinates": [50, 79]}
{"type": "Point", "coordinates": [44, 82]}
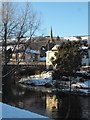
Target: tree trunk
{"type": "Point", "coordinates": [5, 38]}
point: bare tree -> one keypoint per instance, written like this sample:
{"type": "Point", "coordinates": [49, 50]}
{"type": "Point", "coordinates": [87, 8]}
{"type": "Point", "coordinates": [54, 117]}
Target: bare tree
{"type": "Point", "coordinates": [8, 25]}
{"type": "Point", "coordinates": [18, 24]}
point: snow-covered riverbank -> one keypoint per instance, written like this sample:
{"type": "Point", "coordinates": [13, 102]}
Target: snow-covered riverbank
{"type": "Point", "coordinates": [46, 79]}
{"type": "Point", "coordinates": [38, 80]}
{"type": "Point", "coordinates": [7, 111]}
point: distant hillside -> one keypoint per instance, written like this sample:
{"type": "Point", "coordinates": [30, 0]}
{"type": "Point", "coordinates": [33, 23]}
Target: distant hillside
{"type": "Point", "coordinates": [37, 42]}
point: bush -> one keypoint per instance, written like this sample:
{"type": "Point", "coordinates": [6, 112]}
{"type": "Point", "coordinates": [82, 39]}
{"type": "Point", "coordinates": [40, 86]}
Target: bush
{"type": "Point", "coordinates": [57, 85]}
{"type": "Point", "coordinates": [38, 72]}
{"type": "Point", "coordinates": [56, 75]}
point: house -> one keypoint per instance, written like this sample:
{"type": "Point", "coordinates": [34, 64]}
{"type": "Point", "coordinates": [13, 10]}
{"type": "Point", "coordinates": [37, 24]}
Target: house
{"type": "Point", "coordinates": [27, 56]}
{"type": "Point", "coordinates": [31, 56]}
{"type": "Point", "coordinates": [50, 55]}
{"type": "Point", "coordinates": [86, 57]}
{"type": "Point", "coordinates": [18, 55]}
{"type": "Point", "coordinates": [88, 41]}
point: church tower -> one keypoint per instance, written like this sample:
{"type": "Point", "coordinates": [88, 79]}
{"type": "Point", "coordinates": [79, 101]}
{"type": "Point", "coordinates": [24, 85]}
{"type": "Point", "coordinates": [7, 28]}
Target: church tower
{"type": "Point", "coordinates": [51, 41]}
{"type": "Point", "coordinates": [51, 35]}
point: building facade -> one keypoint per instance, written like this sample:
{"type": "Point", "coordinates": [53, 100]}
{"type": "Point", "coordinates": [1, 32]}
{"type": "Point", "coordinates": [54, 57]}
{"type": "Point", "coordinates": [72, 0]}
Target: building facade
{"type": "Point", "coordinates": [50, 56]}
{"type": "Point", "coordinates": [31, 56]}
{"type": "Point", "coordinates": [86, 59]}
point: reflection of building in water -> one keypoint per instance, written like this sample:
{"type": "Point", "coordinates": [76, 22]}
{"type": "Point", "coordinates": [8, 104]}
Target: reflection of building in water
{"type": "Point", "coordinates": [51, 103]}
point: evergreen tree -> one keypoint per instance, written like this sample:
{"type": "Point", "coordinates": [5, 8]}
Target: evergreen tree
{"type": "Point", "coordinates": [68, 58]}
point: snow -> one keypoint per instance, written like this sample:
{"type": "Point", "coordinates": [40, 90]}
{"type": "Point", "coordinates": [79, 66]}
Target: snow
{"type": "Point", "coordinates": [39, 82]}
{"type": "Point", "coordinates": [83, 48]}
{"type": "Point", "coordinates": [28, 50]}
{"type": "Point", "coordinates": [56, 47]}
{"type": "Point", "coordinates": [79, 85]}
{"type": "Point", "coordinates": [71, 38]}
{"type": "Point", "coordinates": [86, 91]}
{"type": "Point", "coordinates": [87, 83]}
{"type": "Point", "coordinates": [85, 72]}
{"type": "Point", "coordinates": [82, 71]}
{"type": "Point", "coordinates": [41, 79]}
{"type": "Point", "coordinates": [0, 111]}
{"type": "Point", "coordinates": [82, 87]}
{"type": "Point", "coordinates": [42, 59]}
{"type": "Point", "coordinates": [13, 112]}
{"type": "Point", "coordinates": [43, 48]}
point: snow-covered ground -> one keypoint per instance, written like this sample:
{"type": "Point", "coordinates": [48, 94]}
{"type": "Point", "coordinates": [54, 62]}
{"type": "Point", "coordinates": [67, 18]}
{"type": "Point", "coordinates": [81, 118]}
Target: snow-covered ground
{"type": "Point", "coordinates": [85, 72]}
{"type": "Point", "coordinates": [7, 111]}
{"type": "Point", "coordinates": [85, 84]}
{"type": "Point", "coordinates": [38, 80]}
{"type": "Point", "coordinates": [42, 79]}
{"type": "Point", "coordinates": [82, 87]}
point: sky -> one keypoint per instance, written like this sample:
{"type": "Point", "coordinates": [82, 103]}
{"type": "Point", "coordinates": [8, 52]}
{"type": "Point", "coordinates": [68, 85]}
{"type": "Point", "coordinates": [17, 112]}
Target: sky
{"type": "Point", "coordinates": [65, 18]}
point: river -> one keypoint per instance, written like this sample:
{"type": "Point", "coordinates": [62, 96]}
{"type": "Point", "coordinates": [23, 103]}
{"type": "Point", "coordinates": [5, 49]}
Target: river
{"type": "Point", "coordinates": [45, 103]}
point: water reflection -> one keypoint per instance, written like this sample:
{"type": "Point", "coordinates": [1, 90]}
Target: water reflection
{"type": "Point", "coordinates": [36, 101]}
{"type": "Point", "coordinates": [48, 104]}
{"type": "Point", "coordinates": [51, 103]}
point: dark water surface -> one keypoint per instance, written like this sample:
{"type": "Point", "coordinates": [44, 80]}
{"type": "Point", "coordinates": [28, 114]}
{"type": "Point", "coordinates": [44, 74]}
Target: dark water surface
{"type": "Point", "coordinates": [53, 105]}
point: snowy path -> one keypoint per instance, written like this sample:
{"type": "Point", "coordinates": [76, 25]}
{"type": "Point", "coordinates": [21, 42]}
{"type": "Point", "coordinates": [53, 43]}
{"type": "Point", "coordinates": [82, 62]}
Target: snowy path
{"type": "Point", "coordinates": [7, 111]}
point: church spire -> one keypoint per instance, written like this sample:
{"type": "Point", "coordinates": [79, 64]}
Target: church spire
{"type": "Point", "coordinates": [51, 41]}
{"type": "Point", "coordinates": [51, 36]}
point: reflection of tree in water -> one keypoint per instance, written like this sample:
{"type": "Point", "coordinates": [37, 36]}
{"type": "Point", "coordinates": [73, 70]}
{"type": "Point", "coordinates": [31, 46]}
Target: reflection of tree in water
{"type": "Point", "coordinates": [75, 107]}
{"type": "Point", "coordinates": [85, 106]}
{"type": "Point", "coordinates": [24, 98]}
{"type": "Point", "coordinates": [54, 106]}
{"type": "Point", "coordinates": [69, 111]}
{"type": "Point", "coordinates": [12, 92]}
{"type": "Point", "coordinates": [63, 107]}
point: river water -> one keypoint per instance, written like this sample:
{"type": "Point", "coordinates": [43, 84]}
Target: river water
{"type": "Point", "coordinates": [53, 105]}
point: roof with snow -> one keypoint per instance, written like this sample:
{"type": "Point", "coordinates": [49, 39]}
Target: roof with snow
{"type": "Point", "coordinates": [28, 50]}
{"type": "Point", "coordinates": [56, 47]}
{"type": "Point", "coordinates": [42, 59]}
{"type": "Point", "coordinates": [83, 48]}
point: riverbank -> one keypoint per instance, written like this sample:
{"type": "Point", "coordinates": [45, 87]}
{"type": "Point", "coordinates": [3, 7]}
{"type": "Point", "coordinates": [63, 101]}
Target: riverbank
{"type": "Point", "coordinates": [45, 81]}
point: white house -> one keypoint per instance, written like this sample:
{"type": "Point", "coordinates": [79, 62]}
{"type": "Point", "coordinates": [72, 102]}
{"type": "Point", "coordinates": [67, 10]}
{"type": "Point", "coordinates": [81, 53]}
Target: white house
{"type": "Point", "coordinates": [86, 58]}
{"type": "Point", "coordinates": [85, 61]}
{"type": "Point", "coordinates": [51, 54]}
{"type": "Point", "coordinates": [88, 41]}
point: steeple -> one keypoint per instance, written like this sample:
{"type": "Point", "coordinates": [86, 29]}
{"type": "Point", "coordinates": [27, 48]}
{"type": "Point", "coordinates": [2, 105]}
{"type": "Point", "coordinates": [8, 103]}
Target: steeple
{"type": "Point", "coordinates": [51, 41]}
{"type": "Point", "coordinates": [51, 36]}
